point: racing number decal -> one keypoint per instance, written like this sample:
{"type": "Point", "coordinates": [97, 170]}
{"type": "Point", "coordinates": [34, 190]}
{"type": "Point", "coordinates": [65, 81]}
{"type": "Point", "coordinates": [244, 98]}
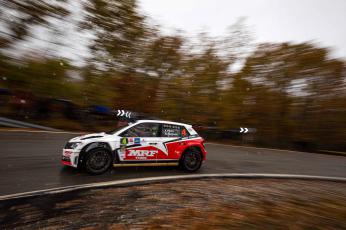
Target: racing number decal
{"type": "Point", "coordinates": [183, 132]}
{"type": "Point", "coordinates": [124, 141]}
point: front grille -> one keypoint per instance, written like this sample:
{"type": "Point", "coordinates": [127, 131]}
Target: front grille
{"type": "Point", "coordinates": [66, 159]}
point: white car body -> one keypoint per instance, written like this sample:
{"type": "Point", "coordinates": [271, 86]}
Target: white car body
{"type": "Point", "coordinates": [166, 147]}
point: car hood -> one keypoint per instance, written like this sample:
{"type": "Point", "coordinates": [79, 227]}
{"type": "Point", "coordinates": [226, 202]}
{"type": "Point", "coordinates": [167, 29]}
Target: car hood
{"type": "Point", "coordinates": [89, 136]}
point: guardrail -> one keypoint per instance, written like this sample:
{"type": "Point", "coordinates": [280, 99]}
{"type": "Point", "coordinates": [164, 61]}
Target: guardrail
{"type": "Point", "coordinates": [20, 124]}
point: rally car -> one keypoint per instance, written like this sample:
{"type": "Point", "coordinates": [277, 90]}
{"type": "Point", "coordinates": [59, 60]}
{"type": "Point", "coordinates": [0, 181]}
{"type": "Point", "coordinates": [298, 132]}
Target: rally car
{"type": "Point", "coordinates": [143, 143]}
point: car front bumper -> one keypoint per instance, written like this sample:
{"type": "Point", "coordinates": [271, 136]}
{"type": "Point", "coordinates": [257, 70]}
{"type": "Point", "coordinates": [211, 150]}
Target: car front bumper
{"type": "Point", "coordinates": [70, 157]}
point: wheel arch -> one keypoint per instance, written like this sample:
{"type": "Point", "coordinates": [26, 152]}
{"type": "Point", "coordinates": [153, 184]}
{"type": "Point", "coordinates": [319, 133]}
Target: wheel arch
{"type": "Point", "coordinates": [90, 146]}
{"type": "Point", "coordinates": [194, 146]}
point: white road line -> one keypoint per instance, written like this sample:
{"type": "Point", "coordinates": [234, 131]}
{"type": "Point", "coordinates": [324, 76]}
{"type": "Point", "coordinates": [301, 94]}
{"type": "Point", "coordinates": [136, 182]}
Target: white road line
{"type": "Point", "coordinates": [130, 182]}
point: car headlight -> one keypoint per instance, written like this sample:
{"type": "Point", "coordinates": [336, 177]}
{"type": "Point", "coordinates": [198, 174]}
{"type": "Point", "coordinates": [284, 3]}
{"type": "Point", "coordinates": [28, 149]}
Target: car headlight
{"type": "Point", "coordinates": [75, 145]}
{"type": "Point", "coordinates": [72, 145]}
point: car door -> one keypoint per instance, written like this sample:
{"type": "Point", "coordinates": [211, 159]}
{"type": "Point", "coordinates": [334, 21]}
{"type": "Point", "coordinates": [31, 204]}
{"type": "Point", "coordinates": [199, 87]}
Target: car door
{"type": "Point", "coordinates": [171, 138]}
{"type": "Point", "coordinates": [140, 143]}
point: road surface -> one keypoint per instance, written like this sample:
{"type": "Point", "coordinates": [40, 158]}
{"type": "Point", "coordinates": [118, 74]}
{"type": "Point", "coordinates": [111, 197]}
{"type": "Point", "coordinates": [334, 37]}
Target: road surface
{"type": "Point", "coordinates": [31, 161]}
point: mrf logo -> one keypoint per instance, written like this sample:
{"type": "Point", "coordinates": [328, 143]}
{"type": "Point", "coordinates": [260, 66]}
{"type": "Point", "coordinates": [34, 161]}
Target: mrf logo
{"type": "Point", "coordinates": [141, 153]}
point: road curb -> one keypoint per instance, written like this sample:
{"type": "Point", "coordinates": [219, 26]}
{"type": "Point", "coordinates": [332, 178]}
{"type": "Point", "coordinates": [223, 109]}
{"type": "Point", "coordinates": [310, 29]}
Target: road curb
{"type": "Point", "coordinates": [141, 181]}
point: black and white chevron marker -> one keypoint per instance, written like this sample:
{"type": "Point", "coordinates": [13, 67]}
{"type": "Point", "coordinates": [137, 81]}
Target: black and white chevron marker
{"type": "Point", "coordinates": [244, 130]}
{"type": "Point", "coordinates": [123, 113]}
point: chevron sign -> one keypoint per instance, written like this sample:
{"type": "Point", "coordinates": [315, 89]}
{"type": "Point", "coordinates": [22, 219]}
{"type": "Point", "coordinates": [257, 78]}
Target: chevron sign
{"type": "Point", "coordinates": [123, 113]}
{"type": "Point", "coordinates": [243, 130]}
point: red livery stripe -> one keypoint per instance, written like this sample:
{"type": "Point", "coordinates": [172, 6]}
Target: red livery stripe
{"type": "Point", "coordinates": [65, 162]}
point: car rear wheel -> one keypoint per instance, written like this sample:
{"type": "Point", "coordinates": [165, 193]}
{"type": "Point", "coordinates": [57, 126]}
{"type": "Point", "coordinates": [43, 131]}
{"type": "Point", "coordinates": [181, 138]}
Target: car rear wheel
{"type": "Point", "coordinates": [191, 160]}
{"type": "Point", "coordinates": [98, 161]}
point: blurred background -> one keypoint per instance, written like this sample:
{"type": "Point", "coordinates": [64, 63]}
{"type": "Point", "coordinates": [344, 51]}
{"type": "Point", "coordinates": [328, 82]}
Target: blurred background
{"type": "Point", "coordinates": [69, 64]}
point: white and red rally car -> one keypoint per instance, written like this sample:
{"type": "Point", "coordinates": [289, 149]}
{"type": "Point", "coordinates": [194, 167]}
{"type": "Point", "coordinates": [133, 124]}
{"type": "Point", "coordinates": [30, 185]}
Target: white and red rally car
{"type": "Point", "coordinates": [143, 143]}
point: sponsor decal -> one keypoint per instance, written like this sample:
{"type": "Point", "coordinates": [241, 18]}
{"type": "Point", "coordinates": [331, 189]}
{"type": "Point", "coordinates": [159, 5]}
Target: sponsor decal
{"type": "Point", "coordinates": [67, 153]}
{"type": "Point", "coordinates": [131, 140]}
{"type": "Point", "coordinates": [141, 153]}
{"type": "Point", "coordinates": [171, 130]}
{"type": "Point", "coordinates": [137, 140]}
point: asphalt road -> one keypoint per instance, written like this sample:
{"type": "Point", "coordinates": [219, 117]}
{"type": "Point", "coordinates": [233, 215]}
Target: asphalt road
{"type": "Point", "coordinates": [31, 161]}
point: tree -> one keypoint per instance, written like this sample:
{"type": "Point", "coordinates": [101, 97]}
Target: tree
{"type": "Point", "coordinates": [18, 17]}
{"type": "Point", "coordinates": [303, 77]}
{"type": "Point", "coordinates": [119, 34]}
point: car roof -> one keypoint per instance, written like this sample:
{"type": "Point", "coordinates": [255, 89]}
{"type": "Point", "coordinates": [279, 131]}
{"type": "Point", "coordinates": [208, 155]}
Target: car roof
{"type": "Point", "coordinates": [162, 121]}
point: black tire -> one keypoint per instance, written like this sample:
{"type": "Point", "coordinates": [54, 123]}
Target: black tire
{"type": "Point", "coordinates": [98, 161]}
{"type": "Point", "coordinates": [191, 161]}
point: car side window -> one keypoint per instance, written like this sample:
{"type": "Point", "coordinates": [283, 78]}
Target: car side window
{"type": "Point", "coordinates": [142, 130]}
{"type": "Point", "coordinates": [169, 130]}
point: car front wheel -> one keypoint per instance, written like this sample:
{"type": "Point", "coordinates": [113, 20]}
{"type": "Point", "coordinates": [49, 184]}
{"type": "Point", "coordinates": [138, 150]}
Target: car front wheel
{"type": "Point", "coordinates": [98, 161]}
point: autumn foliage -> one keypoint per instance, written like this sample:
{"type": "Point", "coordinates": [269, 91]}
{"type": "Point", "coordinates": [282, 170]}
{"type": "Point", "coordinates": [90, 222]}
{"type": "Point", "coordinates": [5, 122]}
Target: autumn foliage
{"type": "Point", "coordinates": [294, 95]}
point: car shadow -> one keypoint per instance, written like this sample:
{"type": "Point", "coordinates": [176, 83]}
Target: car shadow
{"type": "Point", "coordinates": [119, 173]}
